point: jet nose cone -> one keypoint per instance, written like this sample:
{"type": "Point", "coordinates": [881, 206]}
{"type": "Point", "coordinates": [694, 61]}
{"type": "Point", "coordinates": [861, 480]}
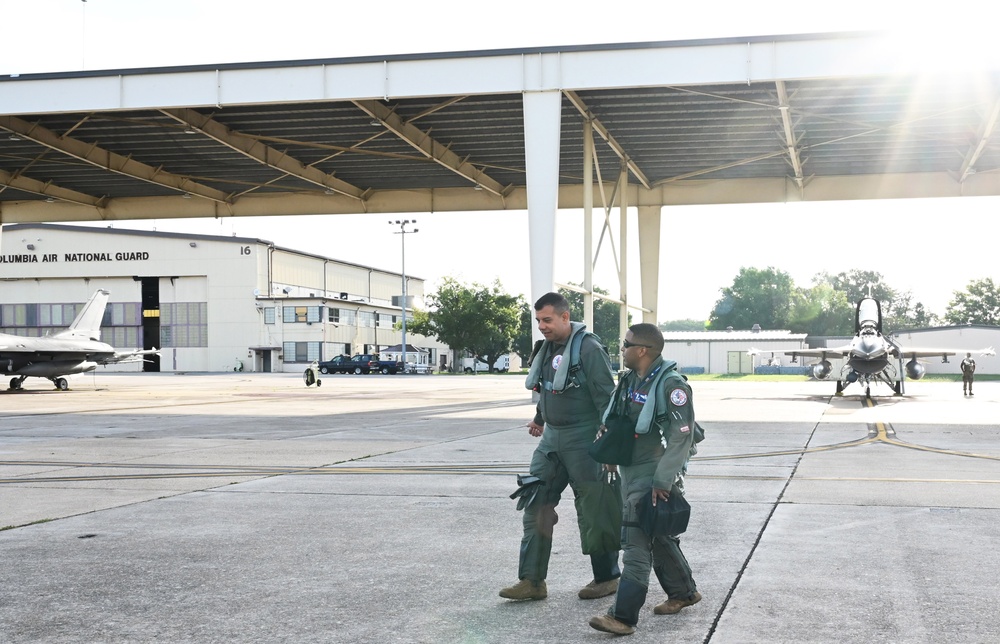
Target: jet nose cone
{"type": "Point", "coordinates": [871, 347]}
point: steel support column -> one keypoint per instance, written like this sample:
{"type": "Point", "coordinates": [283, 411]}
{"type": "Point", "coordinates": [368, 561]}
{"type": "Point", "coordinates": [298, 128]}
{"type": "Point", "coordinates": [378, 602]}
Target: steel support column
{"type": "Point", "coordinates": [623, 247]}
{"type": "Point", "coordinates": [588, 224]}
{"type": "Point", "coordinates": [542, 121]}
{"type": "Point", "coordinates": [649, 261]}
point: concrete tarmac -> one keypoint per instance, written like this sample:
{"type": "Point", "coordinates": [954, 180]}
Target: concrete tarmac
{"type": "Point", "coordinates": [249, 508]}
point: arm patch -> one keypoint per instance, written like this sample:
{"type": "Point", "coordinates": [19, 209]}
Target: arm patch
{"type": "Point", "coordinates": [678, 397]}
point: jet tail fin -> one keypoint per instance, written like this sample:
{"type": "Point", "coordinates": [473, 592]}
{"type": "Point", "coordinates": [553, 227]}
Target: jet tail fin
{"type": "Point", "coordinates": [87, 325]}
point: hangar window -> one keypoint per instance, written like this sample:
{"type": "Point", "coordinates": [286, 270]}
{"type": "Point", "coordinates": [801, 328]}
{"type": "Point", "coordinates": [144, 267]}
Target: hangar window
{"type": "Point", "coordinates": [184, 324]}
{"type": "Point", "coordinates": [122, 314]}
{"type": "Point", "coordinates": [60, 315]}
{"type": "Point", "coordinates": [366, 318]}
{"type": "Point", "coordinates": [122, 336]}
{"type": "Point", "coordinates": [300, 314]}
{"type": "Point", "coordinates": [300, 351]}
{"type": "Point", "coordinates": [20, 315]}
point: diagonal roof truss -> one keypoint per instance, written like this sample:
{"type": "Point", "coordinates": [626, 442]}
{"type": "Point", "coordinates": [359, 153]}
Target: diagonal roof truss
{"type": "Point", "coordinates": [808, 117]}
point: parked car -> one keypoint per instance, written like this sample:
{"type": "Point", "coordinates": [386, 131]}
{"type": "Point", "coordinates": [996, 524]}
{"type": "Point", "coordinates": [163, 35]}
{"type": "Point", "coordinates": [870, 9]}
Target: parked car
{"type": "Point", "coordinates": [390, 366]}
{"type": "Point", "coordinates": [502, 365]}
{"type": "Point", "coordinates": [362, 363]}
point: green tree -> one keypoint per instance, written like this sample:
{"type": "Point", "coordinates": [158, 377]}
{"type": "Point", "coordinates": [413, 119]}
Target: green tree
{"type": "Point", "coordinates": [483, 320]}
{"type": "Point", "coordinates": [977, 304]}
{"type": "Point", "coordinates": [908, 315]}
{"type": "Point", "coordinates": [822, 310]}
{"type": "Point", "coordinates": [523, 343]}
{"type": "Point", "coordinates": [856, 284]}
{"type": "Point", "coordinates": [682, 325]}
{"type": "Point", "coordinates": [899, 311]}
{"type": "Point", "coordinates": [757, 296]}
{"type": "Point", "coordinates": [606, 315]}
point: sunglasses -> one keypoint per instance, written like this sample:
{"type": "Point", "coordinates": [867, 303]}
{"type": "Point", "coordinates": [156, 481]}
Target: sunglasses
{"type": "Point", "coordinates": [626, 344]}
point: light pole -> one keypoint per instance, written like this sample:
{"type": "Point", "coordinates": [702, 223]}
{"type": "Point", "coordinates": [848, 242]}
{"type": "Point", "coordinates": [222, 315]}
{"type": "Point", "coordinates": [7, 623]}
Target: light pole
{"type": "Point", "coordinates": [402, 305]}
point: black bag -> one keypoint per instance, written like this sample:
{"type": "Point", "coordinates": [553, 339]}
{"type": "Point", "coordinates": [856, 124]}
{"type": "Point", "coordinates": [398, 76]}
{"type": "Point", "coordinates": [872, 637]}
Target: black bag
{"type": "Point", "coordinates": [599, 513]}
{"type": "Point", "coordinates": [666, 518]}
{"type": "Point", "coordinates": [615, 445]}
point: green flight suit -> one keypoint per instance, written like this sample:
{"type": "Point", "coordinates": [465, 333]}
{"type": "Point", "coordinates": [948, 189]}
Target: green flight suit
{"type": "Point", "coordinates": [571, 419]}
{"type": "Point", "coordinates": [968, 374]}
{"type": "Point", "coordinates": [659, 460]}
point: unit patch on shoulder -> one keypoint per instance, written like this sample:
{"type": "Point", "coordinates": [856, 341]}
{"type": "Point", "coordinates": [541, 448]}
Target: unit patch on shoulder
{"type": "Point", "coordinates": [678, 397]}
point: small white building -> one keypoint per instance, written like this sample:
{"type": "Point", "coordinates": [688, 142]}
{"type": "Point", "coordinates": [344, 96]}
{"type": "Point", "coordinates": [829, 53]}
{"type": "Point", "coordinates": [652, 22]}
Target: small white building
{"type": "Point", "coordinates": [726, 351]}
{"type": "Point", "coordinates": [210, 303]}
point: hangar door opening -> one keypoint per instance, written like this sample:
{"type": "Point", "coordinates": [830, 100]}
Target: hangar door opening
{"type": "Point", "coordinates": [151, 321]}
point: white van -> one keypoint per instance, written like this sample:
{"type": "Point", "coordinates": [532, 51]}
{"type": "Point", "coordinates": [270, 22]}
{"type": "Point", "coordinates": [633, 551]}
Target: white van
{"type": "Point", "coordinates": [502, 365]}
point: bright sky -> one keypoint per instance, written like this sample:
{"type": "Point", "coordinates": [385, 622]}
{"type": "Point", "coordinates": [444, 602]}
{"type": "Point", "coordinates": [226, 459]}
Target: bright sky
{"type": "Point", "coordinates": [922, 248]}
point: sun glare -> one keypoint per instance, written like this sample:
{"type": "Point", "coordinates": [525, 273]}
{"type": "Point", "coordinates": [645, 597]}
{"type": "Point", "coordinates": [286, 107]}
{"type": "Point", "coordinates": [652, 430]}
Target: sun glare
{"type": "Point", "coordinates": [942, 46]}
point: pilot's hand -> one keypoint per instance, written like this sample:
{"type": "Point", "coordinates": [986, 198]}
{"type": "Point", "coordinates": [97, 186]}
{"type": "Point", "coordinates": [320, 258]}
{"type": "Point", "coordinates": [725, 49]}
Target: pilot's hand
{"type": "Point", "coordinates": [609, 468]}
{"type": "Point", "coordinates": [600, 432]}
{"type": "Point", "coordinates": [660, 495]}
{"type": "Point", "coordinates": [534, 428]}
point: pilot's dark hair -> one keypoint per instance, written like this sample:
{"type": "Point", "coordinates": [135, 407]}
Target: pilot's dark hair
{"type": "Point", "coordinates": [648, 334]}
{"type": "Point", "coordinates": [558, 303]}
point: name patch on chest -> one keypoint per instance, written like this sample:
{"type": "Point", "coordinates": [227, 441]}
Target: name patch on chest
{"type": "Point", "coordinates": [638, 397]}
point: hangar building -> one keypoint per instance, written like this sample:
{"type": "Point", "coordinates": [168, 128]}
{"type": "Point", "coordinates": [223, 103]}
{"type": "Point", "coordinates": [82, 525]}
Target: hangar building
{"type": "Point", "coordinates": [726, 351]}
{"type": "Point", "coordinates": [210, 303]}
{"type": "Point", "coordinates": [960, 338]}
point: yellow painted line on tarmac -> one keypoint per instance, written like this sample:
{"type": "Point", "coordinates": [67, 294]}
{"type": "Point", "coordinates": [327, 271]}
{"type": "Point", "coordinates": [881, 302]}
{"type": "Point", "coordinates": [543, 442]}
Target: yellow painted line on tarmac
{"type": "Point", "coordinates": [878, 432]}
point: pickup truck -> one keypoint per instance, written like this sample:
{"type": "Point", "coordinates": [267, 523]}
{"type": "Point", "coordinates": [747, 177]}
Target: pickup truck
{"type": "Point", "coordinates": [361, 363]}
{"type": "Point", "coordinates": [390, 366]}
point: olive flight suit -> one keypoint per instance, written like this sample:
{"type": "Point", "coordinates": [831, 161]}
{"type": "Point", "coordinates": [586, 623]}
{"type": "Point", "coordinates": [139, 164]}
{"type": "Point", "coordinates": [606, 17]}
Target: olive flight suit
{"type": "Point", "coordinates": [659, 460]}
{"type": "Point", "coordinates": [968, 373]}
{"type": "Point", "coordinates": [571, 418]}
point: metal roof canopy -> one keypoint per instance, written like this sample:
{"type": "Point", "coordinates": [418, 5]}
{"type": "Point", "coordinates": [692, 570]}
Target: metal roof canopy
{"type": "Point", "coordinates": [736, 120]}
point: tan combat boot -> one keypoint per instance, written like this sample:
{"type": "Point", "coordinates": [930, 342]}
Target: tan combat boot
{"type": "Point", "coordinates": [596, 589]}
{"type": "Point", "coordinates": [674, 606]}
{"type": "Point", "coordinates": [608, 624]}
{"type": "Point", "coordinates": [526, 589]}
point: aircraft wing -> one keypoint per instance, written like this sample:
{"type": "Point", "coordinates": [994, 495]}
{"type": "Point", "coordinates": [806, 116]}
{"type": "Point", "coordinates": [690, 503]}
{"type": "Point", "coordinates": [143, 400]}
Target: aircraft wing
{"type": "Point", "coordinates": [928, 352]}
{"type": "Point", "coordinates": [822, 354]}
{"type": "Point", "coordinates": [128, 356]}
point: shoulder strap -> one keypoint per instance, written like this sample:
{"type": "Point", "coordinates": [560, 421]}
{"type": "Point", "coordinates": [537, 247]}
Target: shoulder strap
{"type": "Point", "coordinates": [576, 373]}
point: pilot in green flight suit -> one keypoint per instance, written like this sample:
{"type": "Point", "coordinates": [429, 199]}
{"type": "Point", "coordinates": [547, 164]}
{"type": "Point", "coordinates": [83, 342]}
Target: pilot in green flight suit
{"type": "Point", "coordinates": [659, 400]}
{"type": "Point", "coordinates": [572, 374]}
